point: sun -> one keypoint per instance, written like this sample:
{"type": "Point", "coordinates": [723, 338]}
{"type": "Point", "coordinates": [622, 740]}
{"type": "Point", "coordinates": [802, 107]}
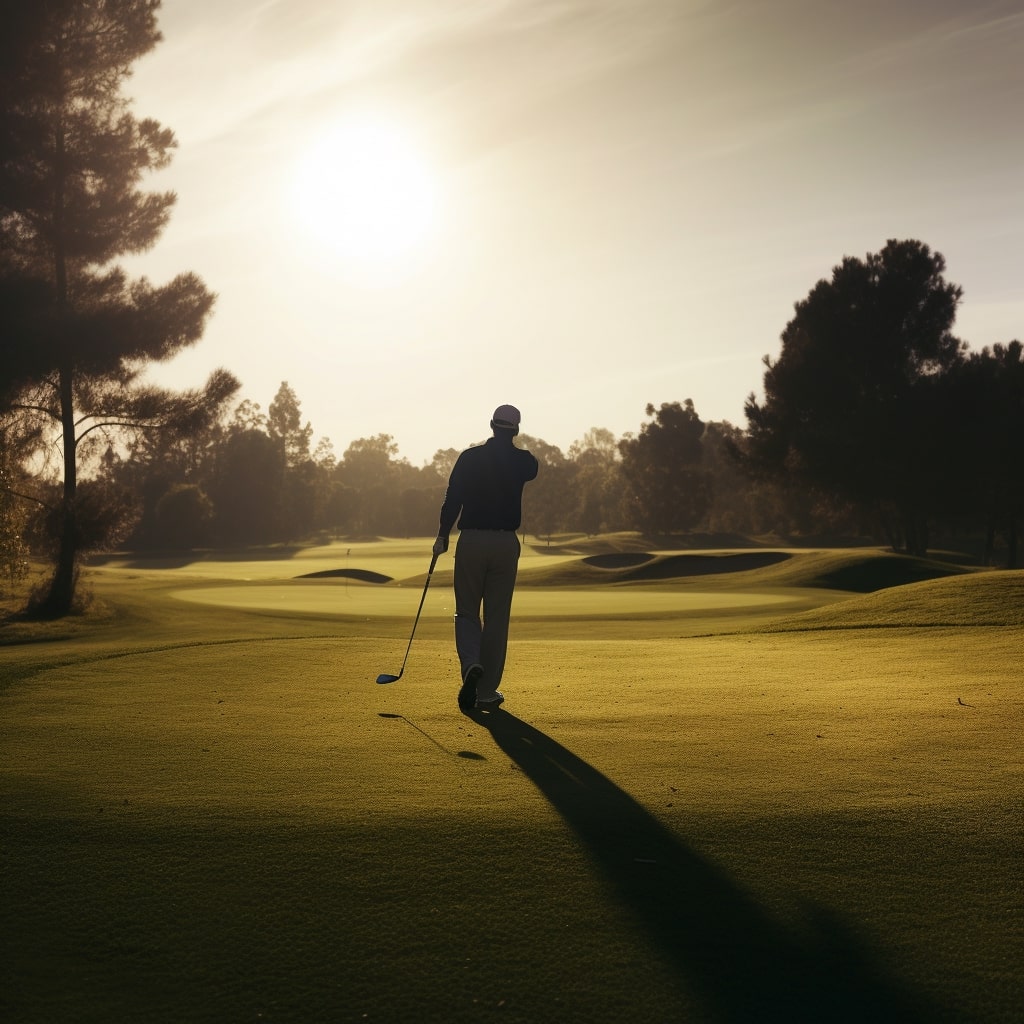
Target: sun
{"type": "Point", "coordinates": [367, 192]}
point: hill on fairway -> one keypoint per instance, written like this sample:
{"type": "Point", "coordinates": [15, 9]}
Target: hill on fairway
{"type": "Point", "coordinates": [986, 599]}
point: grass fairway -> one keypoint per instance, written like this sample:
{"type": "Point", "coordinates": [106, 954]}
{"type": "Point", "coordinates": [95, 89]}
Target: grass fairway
{"type": "Point", "coordinates": [728, 787]}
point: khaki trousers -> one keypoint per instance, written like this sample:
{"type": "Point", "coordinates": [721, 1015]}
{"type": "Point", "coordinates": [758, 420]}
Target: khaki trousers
{"type": "Point", "coordinates": [486, 562]}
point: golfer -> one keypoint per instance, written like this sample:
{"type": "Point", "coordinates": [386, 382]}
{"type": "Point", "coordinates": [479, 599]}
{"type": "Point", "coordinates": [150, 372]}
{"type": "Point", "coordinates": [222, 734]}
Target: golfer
{"type": "Point", "coordinates": [485, 493]}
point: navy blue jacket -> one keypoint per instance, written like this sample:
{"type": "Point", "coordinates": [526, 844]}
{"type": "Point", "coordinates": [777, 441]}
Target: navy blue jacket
{"type": "Point", "coordinates": [486, 486]}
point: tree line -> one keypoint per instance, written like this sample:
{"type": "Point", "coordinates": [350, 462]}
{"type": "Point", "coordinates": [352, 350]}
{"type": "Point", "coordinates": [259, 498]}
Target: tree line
{"type": "Point", "coordinates": [876, 421]}
{"type": "Point", "coordinates": [254, 478]}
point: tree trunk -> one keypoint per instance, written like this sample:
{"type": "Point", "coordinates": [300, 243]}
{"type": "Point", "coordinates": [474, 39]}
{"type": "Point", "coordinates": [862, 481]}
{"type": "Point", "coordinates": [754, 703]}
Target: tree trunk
{"type": "Point", "coordinates": [916, 529]}
{"type": "Point", "coordinates": [990, 540]}
{"type": "Point", "coordinates": [60, 598]}
{"type": "Point", "coordinates": [61, 595]}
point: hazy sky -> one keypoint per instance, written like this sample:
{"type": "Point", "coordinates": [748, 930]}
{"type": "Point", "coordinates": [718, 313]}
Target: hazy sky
{"type": "Point", "coordinates": [617, 201]}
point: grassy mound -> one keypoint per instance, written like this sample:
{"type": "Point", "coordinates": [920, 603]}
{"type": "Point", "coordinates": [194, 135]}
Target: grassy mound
{"type": "Point", "coordinates": [644, 567]}
{"type": "Point", "coordinates": [866, 575]}
{"type": "Point", "coordinates": [601, 544]}
{"type": "Point", "coordinates": [981, 599]}
{"type": "Point", "coordinates": [679, 566]}
{"type": "Point", "coordinates": [857, 570]}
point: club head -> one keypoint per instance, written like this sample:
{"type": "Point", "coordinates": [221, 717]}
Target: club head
{"type": "Point", "coordinates": [385, 678]}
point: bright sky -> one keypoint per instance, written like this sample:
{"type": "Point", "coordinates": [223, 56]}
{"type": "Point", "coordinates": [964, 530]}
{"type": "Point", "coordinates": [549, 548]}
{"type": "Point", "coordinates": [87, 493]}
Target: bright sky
{"type": "Point", "coordinates": [416, 210]}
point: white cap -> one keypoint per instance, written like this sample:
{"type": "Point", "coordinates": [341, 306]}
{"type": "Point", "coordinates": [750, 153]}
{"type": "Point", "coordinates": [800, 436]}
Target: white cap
{"type": "Point", "coordinates": [506, 416]}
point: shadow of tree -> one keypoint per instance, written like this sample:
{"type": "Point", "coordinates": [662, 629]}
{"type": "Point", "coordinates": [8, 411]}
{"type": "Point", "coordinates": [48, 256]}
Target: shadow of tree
{"type": "Point", "coordinates": [743, 965]}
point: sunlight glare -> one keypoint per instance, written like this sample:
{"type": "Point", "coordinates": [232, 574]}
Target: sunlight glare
{"type": "Point", "coordinates": [367, 193]}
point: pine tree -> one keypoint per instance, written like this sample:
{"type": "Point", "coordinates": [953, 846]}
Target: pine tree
{"type": "Point", "coordinates": [284, 424]}
{"type": "Point", "coordinates": [77, 332]}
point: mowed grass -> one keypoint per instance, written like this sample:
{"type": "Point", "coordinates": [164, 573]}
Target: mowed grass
{"type": "Point", "coordinates": [760, 789]}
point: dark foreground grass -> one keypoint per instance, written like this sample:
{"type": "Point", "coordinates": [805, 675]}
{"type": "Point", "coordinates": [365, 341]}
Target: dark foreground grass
{"type": "Point", "coordinates": [210, 816]}
{"type": "Point", "coordinates": [468, 919]}
{"type": "Point", "coordinates": [230, 921]}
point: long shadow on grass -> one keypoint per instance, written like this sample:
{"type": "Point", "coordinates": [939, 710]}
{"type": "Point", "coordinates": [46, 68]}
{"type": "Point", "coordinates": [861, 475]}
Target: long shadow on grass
{"type": "Point", "coordinates": [744, 965]}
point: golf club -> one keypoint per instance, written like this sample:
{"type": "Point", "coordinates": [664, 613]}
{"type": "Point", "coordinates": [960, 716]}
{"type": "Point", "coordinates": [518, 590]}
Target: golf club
{"type": "Point", "coordinates": [384, 677]}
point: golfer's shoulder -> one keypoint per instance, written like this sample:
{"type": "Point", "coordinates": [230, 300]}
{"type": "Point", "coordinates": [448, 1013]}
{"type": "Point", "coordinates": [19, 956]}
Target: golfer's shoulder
{"type": "Point", "coordinates": [528, 462]}
{"type": "Point", "coordinates": [470, 455]}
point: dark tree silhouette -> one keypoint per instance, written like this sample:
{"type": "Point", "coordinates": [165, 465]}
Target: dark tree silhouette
{"type": "Point", "coordinates": [985, 443]}
{"type": "Point", "coordinates": [71, 160]}
{"type": "Point", "coordinates": [853, 402]}
{"type": "Point", "coordinates": [667, 486]}
{"type": "Point", "coordinates": [183, 517]}
{"type": "Point", "coordinates": [548, 497]}
{"type": "Point", "coordinates": [247, 489]}
{"type": "Point", "coordinates": [596, 507]}
{"type": "Point", "coordinates": [284, 424]}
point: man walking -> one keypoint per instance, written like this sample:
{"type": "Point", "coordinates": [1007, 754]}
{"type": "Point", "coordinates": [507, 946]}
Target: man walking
{"type": "Point", "coordinates": [485, 492]}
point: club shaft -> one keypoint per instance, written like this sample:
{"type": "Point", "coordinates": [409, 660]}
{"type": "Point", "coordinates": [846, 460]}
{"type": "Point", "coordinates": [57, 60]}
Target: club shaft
{"type": "Point", "coordinates": [423, 597]}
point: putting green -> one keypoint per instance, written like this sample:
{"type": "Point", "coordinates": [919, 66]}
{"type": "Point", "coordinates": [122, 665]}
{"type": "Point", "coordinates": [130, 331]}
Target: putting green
{"type": "Point", "coordinates": [371, 601]}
